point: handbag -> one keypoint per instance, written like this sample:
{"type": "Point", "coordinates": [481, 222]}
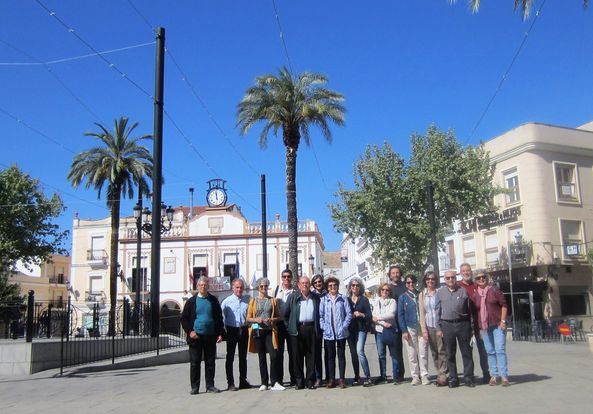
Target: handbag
{"type": "Point", "coordinates": [388, 336]}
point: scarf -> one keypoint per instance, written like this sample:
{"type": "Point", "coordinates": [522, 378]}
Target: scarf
{"type": "Point", "coordinates": [483, 310]}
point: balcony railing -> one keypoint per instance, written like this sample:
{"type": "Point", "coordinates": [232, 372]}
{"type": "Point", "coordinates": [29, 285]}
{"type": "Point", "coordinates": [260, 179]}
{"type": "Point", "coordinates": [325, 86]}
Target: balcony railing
{"type": "Point", "coordinates": [281, 227]}
{"type": "Point", "coordinates": [94, 296]}
{"type": "Point", "coordinates": [96, 256]}
{"type": "Point", "coordinates": [58, 279]}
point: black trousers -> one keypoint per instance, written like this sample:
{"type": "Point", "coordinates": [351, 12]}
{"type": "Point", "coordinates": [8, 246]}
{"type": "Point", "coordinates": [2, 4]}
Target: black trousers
{"type": "Point", "coordinates": [202, 349]}
{"type": "Point", "coordinates": [303, 347]}
{"type": "Point", "coordinates": [283, 338]}
{"type": "Point", "coordinates": [454, 333]}
{"type": "Point", "coordinates": [330, 352]}
{"type": "Point", "coordinates": [483, 355]}
{"type": "Point", "coordinates": [236, 337]}
{"type": "Point", "coordinates": [318, 358]}
{"type": "Point", "coordinates": [399, 355]}
{"type": "Point", "coordinates": [264, 346]}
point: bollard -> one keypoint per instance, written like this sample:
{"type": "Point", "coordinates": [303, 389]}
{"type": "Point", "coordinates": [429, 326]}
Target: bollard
{"type": "Point", "coordinates": [30, 312]}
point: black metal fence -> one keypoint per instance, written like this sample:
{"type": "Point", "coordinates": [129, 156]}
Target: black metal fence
{"type": "Point", "coordinates": [547, 330]}
{"type": "Point", "coordinates": [75, 335]}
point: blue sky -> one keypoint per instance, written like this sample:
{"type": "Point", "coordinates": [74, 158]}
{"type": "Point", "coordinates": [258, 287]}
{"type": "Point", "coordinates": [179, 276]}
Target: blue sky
{"type": "Point", "coordinates": [402, 65]}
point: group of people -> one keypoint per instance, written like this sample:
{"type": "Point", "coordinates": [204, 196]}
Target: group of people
{"type": "Point", "coordinates": [314, 322]}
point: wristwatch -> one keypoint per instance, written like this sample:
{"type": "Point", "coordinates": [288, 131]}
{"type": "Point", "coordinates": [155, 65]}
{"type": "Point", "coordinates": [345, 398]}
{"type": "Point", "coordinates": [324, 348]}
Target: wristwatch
{"type": "Point", "coordinates": [503, 321]}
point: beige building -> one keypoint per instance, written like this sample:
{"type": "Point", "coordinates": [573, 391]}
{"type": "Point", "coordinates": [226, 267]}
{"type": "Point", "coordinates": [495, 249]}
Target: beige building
{"type": "Point", "coordinates": [545, 216]}
{"type": "Point", "coordinates": [49, 281]}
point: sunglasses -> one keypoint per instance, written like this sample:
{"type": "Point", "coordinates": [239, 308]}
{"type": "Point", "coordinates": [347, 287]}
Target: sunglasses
{"type": "Point", "coordinates": [264, 287]}
{"type": "Point", "coordinates": [385, 290]}
{"type": "Point", "coordinates": [409, 282]}
{"type": "Point", "coordinates": [332, 285]}
{"type": "Point", "coordinates": [480, 277]}
{"type": "Point", "coordinates": [354, 285]}
{"type": "Point", "coordinates": [286, 277]}
{"type": "Point", "coordinates": [317, 281]}
{"type": "Point", "coordinates": [431, 279]}
{"type": "Point", "coordinates": [450, 277]}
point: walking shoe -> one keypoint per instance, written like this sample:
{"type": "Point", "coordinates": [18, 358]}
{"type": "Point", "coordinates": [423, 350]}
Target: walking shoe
{"type": "Point", "coordinates": [318, 383]}
{"type": "Point", "coordinates": [367, 383]}
{"type": "Point", "coordinates": [244, 385]}
{"type": "Point", "coordinates": [493, 381]}
{"type": "Point", "coordinates": [469, 382]}
{"type": "Point", "coordinates": [380, 380]}
{"type": "Point", "coordinates": [263, 387]}
{"type": "Point", "coordinates": [416, 381]}
{"type": "Point", "coordinates": [505, 382]}
{"type": "Point", "coordinates": [331, 384]}
{"type": "Point", "coordinates": [232, 387]}
{"type": "Point", "coordinates": [212, 389]}
{"type": "Point", "coordinates": [341, 383]}
{"type": "Point", "coordinates": [486, 379]}
{"type": "Point", "coordinates": [425, 380]}
{"type": "Point", "coordinates": [194, 391]}
{"type": "Point", "coordinates": [453, 383]}
{"type": "Point", "coordinates": [278, 387]}
{"type": "Point", "coordinates": [356, 381]}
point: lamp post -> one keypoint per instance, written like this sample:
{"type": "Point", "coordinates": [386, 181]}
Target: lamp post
{"type": "Point", "coordinates": [143, 224]}
{"type": "Point", "coordinates": [312, 264]}
{"type": "Point", "coordinates": [516, 251]}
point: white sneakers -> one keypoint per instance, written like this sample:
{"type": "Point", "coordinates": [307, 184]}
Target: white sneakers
{"type": "Point", "coordinates": [425, 380]}
{"type": "Point", "coordinates": [278, 387]}
{"type": "Point", "coordinates": [416, 381]}
{"type": "Point", "coordinates": [263, 388]}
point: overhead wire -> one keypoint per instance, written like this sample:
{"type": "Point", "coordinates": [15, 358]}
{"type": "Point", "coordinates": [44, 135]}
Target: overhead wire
{"type": "Point", "coordinates": [210, 115]}
{"type": "Point", "coordinates": [506, 74]}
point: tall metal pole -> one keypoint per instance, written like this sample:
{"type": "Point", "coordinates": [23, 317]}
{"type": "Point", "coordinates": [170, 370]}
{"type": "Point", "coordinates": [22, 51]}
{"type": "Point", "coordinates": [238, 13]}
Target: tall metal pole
{"type": "Point", "coordinates": [157, 172]}
{"type": "Point", "coordinates": [264, 227]}
{"type": "Point", "coordinates": [433, 230]}
{"type": "Point", "coordinates": [510, 254]}
{"type": "Point", "coordinates": [138, 284]}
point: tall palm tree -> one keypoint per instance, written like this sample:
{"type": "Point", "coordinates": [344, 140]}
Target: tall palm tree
{"type": "Point", "coordinates": [119, 163]}
{"type": "Point", "coordinates": [292, 103]}
{"type": "Point", "coordinates": [523, 5]}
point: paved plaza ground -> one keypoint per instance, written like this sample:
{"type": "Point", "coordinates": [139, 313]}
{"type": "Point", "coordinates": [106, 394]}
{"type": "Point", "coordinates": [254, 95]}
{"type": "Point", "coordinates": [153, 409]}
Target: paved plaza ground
{"type": "Point", "coordinates": [545, 378]}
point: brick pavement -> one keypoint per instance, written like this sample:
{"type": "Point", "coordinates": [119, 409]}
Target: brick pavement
{"type": "Point", "coordinates": [545, 378]}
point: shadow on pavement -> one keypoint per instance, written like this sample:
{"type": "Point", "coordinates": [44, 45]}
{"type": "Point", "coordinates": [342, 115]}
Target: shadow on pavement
{"type": "Point", "coordinates": [520, 379]}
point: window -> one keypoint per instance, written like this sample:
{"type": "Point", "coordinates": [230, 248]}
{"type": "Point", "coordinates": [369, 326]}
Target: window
{"type": "Point", "coordinates": [574, 300]}
{"type": "Point", "coordinates": [572, 238]}
{"type": "Point", "coordinates": [231, 265]}
{"type": "Point", "coordinates": [95, 284]}
{"type": "Point", "coordinates": [469, 250]}
{"type": "Point", "coordinates": [199, 268]}
{"type": "Point", "coordinates": [491, 247]}
{"type": "Point", "coordinates": [566, 182]}
{"type": "Point", "coordinates": [511, 184]}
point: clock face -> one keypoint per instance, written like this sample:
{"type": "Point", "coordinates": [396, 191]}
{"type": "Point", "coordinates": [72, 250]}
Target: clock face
{"type": "Point", "coordinates": [216, 197]}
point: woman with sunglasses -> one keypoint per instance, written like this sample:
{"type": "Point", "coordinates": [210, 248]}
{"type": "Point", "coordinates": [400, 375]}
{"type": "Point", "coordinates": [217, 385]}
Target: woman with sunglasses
{"type": "Point", "coordinates": [357, 337]}
{"type": "Point", "coordinates": [384, 317]}
{"type": "Point", "coordinates": [407, 313]}
{"type": "Point", "coordinates": [334, 318]}
{"type": "Point", "coordinates": [492, 309]}
{"type": "Point", "coordinates": [318, 287]}
{"type": "Point", "coordinates": [263, 314]}
{"type": "Point", "coordinates": [430, 339]}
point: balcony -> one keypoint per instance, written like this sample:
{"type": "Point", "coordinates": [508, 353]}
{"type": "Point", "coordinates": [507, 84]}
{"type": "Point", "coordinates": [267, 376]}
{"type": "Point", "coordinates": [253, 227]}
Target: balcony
{"type": "Point", "coordinates": [96, 258]}
{"type": "Point", "coordinates": [57, 279]}
{"type": "Point", "coordinates": [93, 296]}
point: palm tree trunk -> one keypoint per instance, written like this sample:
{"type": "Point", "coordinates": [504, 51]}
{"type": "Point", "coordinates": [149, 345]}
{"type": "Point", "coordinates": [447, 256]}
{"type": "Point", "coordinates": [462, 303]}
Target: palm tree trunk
{"type": "Point", "coordinates": [113, 260]}
{"type": "Point", "coordinates": [291, 207]}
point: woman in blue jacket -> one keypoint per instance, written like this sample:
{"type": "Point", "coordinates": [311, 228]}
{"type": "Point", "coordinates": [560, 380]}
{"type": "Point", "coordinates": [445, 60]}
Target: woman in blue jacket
{"type": "Point", "coordinates": [409, 323]}
{"type": "Point", "coordinates": [334, 317]}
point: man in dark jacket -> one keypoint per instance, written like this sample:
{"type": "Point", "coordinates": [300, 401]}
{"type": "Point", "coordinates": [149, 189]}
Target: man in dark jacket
{"type": "Point", "coordinates": [201, 320]}
{"type": "Point", "coordinates": [398, 288]}
{"type": "Point", "coordinates": [302, 323]}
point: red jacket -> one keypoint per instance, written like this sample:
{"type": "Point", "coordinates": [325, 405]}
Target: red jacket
{"type": "Point", "coordinates": [495, 300]}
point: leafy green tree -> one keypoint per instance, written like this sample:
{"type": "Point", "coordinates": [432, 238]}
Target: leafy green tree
{"type": "Point", "coordinates": [388, 207]}
{"type": "Point", "coordinates": [523, 5]}
{"type": "Point", "coordinates": [291, 103]}
{"type": "Point", "coordinates": [27, 231]}
{"type": "Point", "coordinates": [119, 163]}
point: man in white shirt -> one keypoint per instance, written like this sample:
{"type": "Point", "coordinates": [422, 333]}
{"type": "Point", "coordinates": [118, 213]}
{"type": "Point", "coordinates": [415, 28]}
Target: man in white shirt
{"type": "Point", "coordinates": [282, 293]}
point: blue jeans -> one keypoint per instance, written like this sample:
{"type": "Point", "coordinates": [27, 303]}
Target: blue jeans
{"type": "Point", "coordinates": [495, 343]}
{"type": "Point", "coordinates": [382, 356]}
{"type": "Point", "coordinates": [356, 342]}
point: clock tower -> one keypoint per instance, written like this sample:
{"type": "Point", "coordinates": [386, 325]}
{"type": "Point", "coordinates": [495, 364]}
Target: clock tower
{"type": "Point", "coordinates": [216, 195]}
